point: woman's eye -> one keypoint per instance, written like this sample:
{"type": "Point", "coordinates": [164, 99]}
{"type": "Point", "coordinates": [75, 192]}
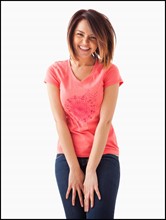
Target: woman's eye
{"type": "Point", "coordinates": [79, 34]}
{"type": "Point", "coordinates": [92, 38]}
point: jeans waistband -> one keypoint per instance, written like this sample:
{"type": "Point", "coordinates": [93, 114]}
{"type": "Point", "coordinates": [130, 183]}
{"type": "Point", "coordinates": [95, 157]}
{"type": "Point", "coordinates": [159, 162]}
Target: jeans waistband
{"type": "Point", "coordinates": [103, 156]}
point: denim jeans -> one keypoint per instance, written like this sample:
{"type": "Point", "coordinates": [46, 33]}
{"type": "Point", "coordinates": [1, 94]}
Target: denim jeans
{"type": "Point", "coordinates": [108, 173]}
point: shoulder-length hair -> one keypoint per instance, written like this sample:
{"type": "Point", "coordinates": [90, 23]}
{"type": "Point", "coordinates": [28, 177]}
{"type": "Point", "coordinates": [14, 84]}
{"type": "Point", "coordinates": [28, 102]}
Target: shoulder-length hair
{"type": "Point", "coordinates": [102, 29]}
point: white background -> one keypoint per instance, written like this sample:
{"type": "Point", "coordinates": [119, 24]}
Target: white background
{"type": "Point", "coordinates": [33, 37]}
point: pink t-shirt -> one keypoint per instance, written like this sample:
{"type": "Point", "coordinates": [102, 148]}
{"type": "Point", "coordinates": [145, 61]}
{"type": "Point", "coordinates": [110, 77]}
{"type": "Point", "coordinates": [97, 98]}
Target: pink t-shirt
{"type": "Point", "coordinates": [81, 101]}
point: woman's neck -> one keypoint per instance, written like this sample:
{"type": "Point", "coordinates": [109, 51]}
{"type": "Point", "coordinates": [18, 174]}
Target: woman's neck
{"type": "Point", "coordinates": [83, 62]}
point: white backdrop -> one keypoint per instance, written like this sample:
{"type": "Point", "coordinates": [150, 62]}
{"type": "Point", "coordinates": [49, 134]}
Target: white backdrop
{"type": "Point", "coordinates": [34, 36]}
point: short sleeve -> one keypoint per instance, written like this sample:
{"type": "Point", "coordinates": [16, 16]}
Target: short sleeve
{"type": "Point", "coordinates": [51, 77]}
{"type": "Point", "coordinates": [112, 76]}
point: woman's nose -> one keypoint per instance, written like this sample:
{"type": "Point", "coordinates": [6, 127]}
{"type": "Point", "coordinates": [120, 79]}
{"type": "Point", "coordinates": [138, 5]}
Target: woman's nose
{"type": "Point", "coordinates": [85, 40]}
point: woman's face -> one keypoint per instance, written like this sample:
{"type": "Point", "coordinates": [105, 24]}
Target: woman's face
{"type": "Point", "coordinates": [84, 40]}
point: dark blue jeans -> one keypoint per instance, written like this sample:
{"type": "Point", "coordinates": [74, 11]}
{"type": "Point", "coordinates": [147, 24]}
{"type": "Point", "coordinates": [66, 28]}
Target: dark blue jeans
{"type": "Point", "coordinates": [108, 172]}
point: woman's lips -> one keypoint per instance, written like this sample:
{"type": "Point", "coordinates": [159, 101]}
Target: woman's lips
{"type": "Point", "coordinates": [84, 48]}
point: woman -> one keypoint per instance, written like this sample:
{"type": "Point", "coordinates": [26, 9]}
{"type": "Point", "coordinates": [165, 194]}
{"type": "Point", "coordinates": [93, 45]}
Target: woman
{"type": "Point", "coordinates": [83, 92]}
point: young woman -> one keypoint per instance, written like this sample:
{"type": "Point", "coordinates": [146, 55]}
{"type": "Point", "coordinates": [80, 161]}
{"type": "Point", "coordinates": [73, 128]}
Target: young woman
{"type": "Point", "coordinates": [83, 93]}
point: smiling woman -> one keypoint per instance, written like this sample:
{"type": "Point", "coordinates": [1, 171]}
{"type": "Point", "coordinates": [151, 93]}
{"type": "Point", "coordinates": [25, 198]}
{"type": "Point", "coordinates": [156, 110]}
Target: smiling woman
{"type": "Point", "coordinates": [84, 41]}
{"type": "Point", "coordinates": [83, 92]}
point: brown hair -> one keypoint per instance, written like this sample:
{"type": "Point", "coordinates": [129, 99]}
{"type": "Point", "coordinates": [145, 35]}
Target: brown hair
{"type": "Point", "coordinates": [102, 29]}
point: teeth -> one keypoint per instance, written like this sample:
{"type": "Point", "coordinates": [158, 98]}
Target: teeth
{"type": "Point", "coordinates": [84, 48]}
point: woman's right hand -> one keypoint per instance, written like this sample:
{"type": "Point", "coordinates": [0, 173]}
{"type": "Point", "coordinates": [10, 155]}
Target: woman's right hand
{"type": "Point", "coordinates": [75, 183]}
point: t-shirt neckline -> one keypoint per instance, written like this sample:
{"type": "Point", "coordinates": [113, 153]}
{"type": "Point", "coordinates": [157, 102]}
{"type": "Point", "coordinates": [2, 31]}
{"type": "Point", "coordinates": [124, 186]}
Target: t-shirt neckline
{"type": "Point", "coordinates": [87, 77]}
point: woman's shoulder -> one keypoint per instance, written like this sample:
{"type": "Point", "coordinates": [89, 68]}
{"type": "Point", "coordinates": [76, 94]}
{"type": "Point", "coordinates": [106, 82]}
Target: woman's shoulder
{"type": "Point", "coordinates": [59, 64]}
{"type": "Point", "coordinates": [111, 67]}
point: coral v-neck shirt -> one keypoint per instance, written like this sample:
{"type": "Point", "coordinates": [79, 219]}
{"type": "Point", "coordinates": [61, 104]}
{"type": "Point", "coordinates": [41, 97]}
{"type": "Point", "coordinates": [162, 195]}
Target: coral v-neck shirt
{"type": "Point", "coordinates": [81, 101]}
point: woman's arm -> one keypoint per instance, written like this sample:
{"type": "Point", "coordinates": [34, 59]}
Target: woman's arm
{"type": "Point", "coordinates": [76, 176]}
{"type": "Point", "coordinates": [103, 128]}
{"type": "Point", "coordinates": [100, 140]}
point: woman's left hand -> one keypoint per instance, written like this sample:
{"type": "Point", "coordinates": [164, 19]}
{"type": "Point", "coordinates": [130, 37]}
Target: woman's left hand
{"type": "Point", "coordinates": [90, 187]}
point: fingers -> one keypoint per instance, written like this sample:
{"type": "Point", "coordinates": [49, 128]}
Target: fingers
{"type": "Point", "coordinates": [86, 204]}
{"type": "Point", "coordinates": [74, 192]}
{"type": "Point", "coordinates": [89, 199]}
{"type": "Point", "coordinates": [73, 196]}
{"type": "Point", "coordinates": [80, 198]}
{"type": "Point", "coordinates": [68, 192]}
{"type": "Point", "coordinates": [98, 193]}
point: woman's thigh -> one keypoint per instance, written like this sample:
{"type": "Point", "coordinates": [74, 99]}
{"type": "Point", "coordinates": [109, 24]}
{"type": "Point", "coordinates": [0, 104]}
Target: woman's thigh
{"type": "Point", "coordinates": [108, 173]}
{"type": "Point", "coordinates": [62, 173]}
